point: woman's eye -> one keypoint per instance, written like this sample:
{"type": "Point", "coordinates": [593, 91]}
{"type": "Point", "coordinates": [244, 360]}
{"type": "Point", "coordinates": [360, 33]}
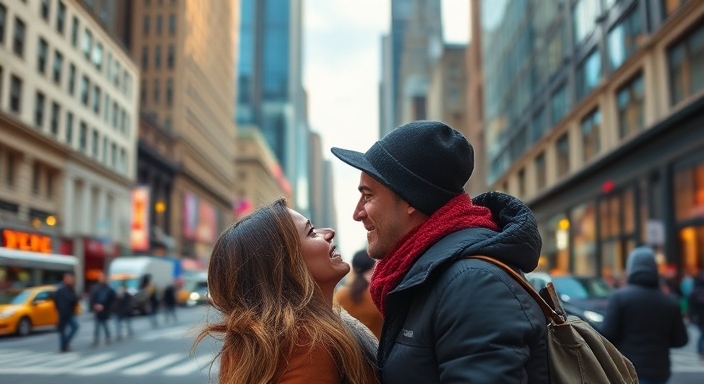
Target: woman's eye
{"type": "Point", "coordinates": [311, 232]}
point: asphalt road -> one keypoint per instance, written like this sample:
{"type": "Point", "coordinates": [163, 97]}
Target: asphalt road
{"type": "Point", "coordinates": [153, 355]}
{"type": "Point", "coordinates": [163, 355]}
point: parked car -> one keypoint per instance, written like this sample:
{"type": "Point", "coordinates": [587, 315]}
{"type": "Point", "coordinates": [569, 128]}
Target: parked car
{"type": "Point", "coordinates": [25, 310]}
{"type": "Point", "coordinates": [583, 296]}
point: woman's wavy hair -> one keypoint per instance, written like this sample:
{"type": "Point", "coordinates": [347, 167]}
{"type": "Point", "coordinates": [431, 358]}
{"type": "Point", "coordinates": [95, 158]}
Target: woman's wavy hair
{"type": "Point", "coordinates": [259, 282]}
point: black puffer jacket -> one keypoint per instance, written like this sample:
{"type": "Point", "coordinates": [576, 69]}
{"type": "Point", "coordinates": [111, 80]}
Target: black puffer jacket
{"type": "Point", "coordinates": [642, 321]}
{"type": "Point", "coordinates": [456, 320]}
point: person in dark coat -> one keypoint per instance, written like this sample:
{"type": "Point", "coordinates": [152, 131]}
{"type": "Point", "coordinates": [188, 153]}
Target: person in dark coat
{"type": "Point", "coordinates": [642, 321]}
{"type": "Point", "coordinates": [446, 318]}
{"type": "Point", "coordinates": [101, 301]}
{"type": "Point", "coordinates": [66, 302]}
{"type": "Point", "coordinates": [169, 300]}
{"type": "Point", "coordinates": [123, 311]}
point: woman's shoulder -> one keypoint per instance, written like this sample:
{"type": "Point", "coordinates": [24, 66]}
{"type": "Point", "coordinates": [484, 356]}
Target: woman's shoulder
{"type": "Point", "coordinates": [308, 363]}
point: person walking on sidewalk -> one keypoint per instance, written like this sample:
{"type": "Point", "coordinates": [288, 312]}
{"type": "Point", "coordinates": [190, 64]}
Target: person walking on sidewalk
{"type": "Point", "coordinates": [66, 302]}
{"type": "Point", "coordinates": [642, 321]}
{"type": "Point", "coordinates": [101, 300]}
{"type": "Point", "coordinates": [123, 310]}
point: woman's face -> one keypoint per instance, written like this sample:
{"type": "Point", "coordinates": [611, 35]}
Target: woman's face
{"type": "Point", "coordinates": [319, 253]}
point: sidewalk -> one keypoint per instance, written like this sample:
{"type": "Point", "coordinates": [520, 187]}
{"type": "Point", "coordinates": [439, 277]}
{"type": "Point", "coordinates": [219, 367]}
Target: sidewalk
{"type": "Point", "coordinates": [685, 359]}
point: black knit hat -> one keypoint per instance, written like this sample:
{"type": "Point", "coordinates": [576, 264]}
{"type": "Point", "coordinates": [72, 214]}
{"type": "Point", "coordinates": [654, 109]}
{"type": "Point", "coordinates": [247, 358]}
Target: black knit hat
{"type": "Point", "coordinates": [427, 163]}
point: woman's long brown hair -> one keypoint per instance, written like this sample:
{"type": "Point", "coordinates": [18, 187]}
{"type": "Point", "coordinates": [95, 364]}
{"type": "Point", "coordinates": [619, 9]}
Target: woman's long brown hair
{"type": "Point", "coordinates": [258, 281]}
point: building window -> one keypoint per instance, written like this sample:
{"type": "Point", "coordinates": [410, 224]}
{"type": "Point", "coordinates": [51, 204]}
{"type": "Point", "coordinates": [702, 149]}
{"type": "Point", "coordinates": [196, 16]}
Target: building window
{"type": "Point", "coordinates": [143, 92]}
{"type": "Point", "coordinates": [630, 99]}
{"type": "Point", "coordinates": [85, 90]}
{"type": "Point", "coordinates": [559, 104]}
{"type": "Point", "coordinates": [95, 142]}
{"type": "Point", "coordinates": [83, 137]}
{"type": "Point", "coordinates": [105, 150]}
{"type": "Point", "coordinates": [588, 74]}
{"type": "Point", "coordinates": [686, 66]}
{"type": "Point", "coordinates": [36, 173]}
{"type": "Point", "coordinates": [625, 38]}
{"type": "Point", "coordinates": [87, 43]}
{"type": "Point", "coordinates": [145, 25]}
{"type": "Point", "coordinates": [39, 110]}
{"type": "Point", "coordinates": [158, 25]}
{"type": "Point", "coordinates": [3, 22]}
{"type": "Point", "coordinates": [60, 18]}
{"type": "Point", "coordinates": [540, 171]}
{"type": "Point", "coordinates": [69, 129]}
{"type": "Point", "coordinates": [71, 79]}
{"type": "Point", "coordinates": [170, 57]}
{"type": "Point", "coordinates": [55, 112]}
{"type": "Point", "coordinates": [98, 56]}
{"type": "Point", "coordinates": [45, 9]}
{"type": "Point", "coordinates": [157, 57]}
{"type": "Point", "coordinates": [74, 32]}
{"type": "Point", "coordinates": [116, 74]}
{"type": "Point", "coordinates": [169, 91]}
{"type": "Point", "coordinates": [42, 54]}
{"type": "Point", "coordinates": [15, 94]}
{"type": "Point", "coordinates": [540, 124]}
{"type": "Point", "coordinates": [563, 156]}
{"type": "Point", "coordinates": [97, 98]}
{"type": "Point", "coordinates": [106, 109]}
{"type": "Point", "coordinates": [172, 24]}
{"type": "Point", "coordinates": [113, 155]}
{"type": "Point", "coordinates": [49, 184]}
{"type": "Point", "coordinates": [584, 15]}
{"type": "Point", "coordinates": [145, 58]}
{"type": "Point", "coordinates": [18, 38]}
{"type": "Point", "coordinates": [557, 46]}
{"type": "Point", "coordinates": [522, 182]}
{"type": "Point", "coordinates": [58, 66]}
{"type": "Point", "coordinates": [591, 125]}
{"type": "Point", "coordinates": [10, 174]}
{"type": "Point", "coordinates": [114, 115]}
{"type": "Point", "coordinates": [156, 91]}
{"type": "Point", "coordinates": [123, 121]}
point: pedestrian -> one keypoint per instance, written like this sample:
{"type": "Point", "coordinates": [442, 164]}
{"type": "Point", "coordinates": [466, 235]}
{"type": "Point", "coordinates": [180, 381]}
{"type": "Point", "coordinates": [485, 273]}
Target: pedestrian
{"type": "Point", "coordinates": [101, 301]}
{"type": "Point", "coordinates": [148, 292]}
{"type": "Point", "coordinates": [355, 298]}
{"type": "Point", "coordinates": [272, 276]}
{"type": "Point", "coordinates": [123, 311]}
{"type": "Point", "coordinates": [696, 310]}
{"type": "Point", "coordinates": [446, 318]}
{"type": "Point", "coordinates": [169, 300]}
{"type": "Point", "coordinates": [644, 322]}
{"type": "Point", "coordinates": [66, 302]}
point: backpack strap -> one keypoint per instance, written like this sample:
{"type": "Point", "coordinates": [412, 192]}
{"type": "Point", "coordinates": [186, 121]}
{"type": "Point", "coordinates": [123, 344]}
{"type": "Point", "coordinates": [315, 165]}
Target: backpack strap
{"type": "Point", "coordinates": [549, 311]}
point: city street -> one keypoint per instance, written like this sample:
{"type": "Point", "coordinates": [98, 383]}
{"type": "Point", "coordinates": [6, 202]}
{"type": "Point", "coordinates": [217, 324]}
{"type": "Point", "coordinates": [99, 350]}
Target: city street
{"type": "Point", "coordinates": [161, 355]}
{"type": "Point", "coordinates": [153, 355]}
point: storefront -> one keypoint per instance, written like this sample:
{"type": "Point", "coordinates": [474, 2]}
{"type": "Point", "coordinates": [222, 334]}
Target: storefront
{"type": "Point", "coordinates": [649, 191]}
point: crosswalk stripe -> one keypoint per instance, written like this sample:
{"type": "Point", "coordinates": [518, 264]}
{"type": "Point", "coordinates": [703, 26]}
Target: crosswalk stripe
{"type": "Point", "coordinates": [14, 355]}
{"type": "Point", "coordinates": [170, 333]}
{"type": "Point", "coordinates": [194, 364]}
{"type": "Point", "coordinates": [113, 365]}
{"type": "Point", "coordinates": [89, 361]}
{"type": "Point", "coordinates": [42, 357]}
{"type": "Point", "coordinates": [153, 365]}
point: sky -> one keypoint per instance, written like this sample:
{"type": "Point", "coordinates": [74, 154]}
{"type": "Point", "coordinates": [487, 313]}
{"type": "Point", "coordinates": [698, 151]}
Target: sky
{"type": "Point", "coordinates": [342, 61]}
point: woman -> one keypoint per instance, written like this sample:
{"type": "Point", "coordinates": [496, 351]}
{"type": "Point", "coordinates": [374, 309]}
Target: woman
{"type": "Point", "coordinates": [272, 276]}
{"type": "Point", "coordinates": [355, 297]}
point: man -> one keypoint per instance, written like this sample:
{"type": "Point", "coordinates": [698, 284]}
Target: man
{"type": "Point", "coordinates": [66, 302]}
{"type": "Point", "coordinates": [101, 300]}
{"type": "Point", "coordinates": [642, 321]}
{"type": "Point", "coordinates": [447, 319]}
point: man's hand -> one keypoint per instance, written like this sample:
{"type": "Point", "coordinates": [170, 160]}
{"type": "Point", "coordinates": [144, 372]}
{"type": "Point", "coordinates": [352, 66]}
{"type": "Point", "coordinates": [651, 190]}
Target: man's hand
{"type": "Point", "coordinates": [98, 307]}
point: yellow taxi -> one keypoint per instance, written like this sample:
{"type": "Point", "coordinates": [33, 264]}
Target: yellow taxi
{"type": "Point", "coordinates": [24, 310]}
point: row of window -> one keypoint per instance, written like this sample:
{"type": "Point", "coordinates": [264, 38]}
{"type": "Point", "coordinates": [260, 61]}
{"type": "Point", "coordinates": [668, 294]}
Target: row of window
{"type": "Point", "coordinates": [156, 92]}
{"type": "Point", "coordinates": [93, 52]}
{"type": "Point", "coordinates": [113, 155]}
{"type": "Point", "coordinates": [170, 57]}
{"type": "Point", "coordinates": [158, 22]}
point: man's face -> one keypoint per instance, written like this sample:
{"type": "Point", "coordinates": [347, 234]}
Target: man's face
{"type": "Point", "coordinates": [69, 280]}
{"type": "Point", "coordinates": [384, 214]}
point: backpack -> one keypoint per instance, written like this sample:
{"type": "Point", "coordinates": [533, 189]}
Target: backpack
{"type": "Point", "coordinates": [577, 352]}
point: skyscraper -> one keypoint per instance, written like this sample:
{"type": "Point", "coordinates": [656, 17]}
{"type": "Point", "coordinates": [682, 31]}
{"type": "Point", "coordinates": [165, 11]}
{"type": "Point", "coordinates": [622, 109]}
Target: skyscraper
{"type": "Point", "coordinates": [416, 42]}
{"type": "Point", "coordinates": [269, 85]}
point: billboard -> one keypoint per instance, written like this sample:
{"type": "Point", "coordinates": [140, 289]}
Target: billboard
{"type": "Point", "coordinates": [139, 224]}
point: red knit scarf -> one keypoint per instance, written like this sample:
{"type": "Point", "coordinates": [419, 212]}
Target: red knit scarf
{"type": "Point", "coordinates": [459, 213]}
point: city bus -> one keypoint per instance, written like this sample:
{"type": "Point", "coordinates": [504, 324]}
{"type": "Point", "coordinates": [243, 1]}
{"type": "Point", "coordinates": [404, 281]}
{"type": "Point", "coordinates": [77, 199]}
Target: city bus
{"type": "Point", "coordinates": [22, 269]}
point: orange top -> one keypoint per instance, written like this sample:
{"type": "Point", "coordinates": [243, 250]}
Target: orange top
{"type": "Point", "coordinates": [306, 365]}
{"type": "Point", "coordinates": [365, 311]}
